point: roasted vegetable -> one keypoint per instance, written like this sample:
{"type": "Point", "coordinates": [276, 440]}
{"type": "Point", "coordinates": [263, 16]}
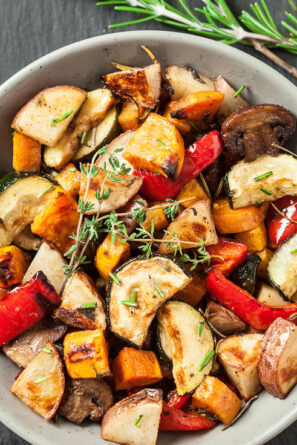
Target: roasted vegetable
{"type": "Point", "coordinates": [194, 225]}
{"type": "Point", "coordinates": [239, 356]}
{"type": "Point", "coordinates": [157, 146]}
{"type": "Point", "coordinates": [224, 320]}
{"type": "Point", "coordinates": [199, 107]}
{"type": "Point", "coordinates": [267, 178]}
{"type": "Point", "coordinates": [252, 131]}
{"type": "Point", "coordinates": [26, 154]}
{"type": "Point", "coordinates": [110, 254]}
{"type": "Point", "coordinates": [143, 85]}
{"type": "Point", "coordinates": [189, 190]}
{"type": "Point", "coordinates": [135, 204]}
{"type": "Point", "coordinates": [47, 115]}
{"type": "Point", "coordinates": [278, 361]}
{"type": "Point", "coordinates": [246, 273]}
{"type": "Point", "coordinates": [255, 239]}
{"type": "Point", "coordinates": [86, 354]}
{"type": "Point", "coordinates": [226, 255]}
{"type": "Point", "coordinates": [134, 420]}
{"type": "Point", "coordinates": [27, 240]}
{"type": "Point", "coordinates": [50, 261]}
{"type": "Point", "coordinates": [130, 116]}
{"type": "Point", "coordinates": [190, 349]}
{"type": "Point", "coordinates": [174, 419]}
{"type": "Point", "coordinates": [231, 101]}
{"type": "Point", "coordinates": [281, 226]}
{"type": "Point", "coordinates": [133, 368]}
{"type": "Point", "coordinates": [185, 80]}
{"type": "Point", "coordinates": [13, 265]}
{"type": "Point", "coordinates": [24, 306]}
{"type": "Point", "coordinates": [115, 149]}
{"type": "Point", "coordinates": [58, 220]}
{"type": "Point", "coordinates": [41, 385]}
{"type": "Point", "coordinates": [269, 295]}
{"type": "Point", "coordinates": [69, 179]}
{"type": "Point", "coordinates": [81, 306]}
{"type": "Point", "coordinates": [183, 125]}
{"type": "Point", "coordinates": [217, 398]}
{"type": "Point", "coordinates": [154, 280]}
{"type": "Point", "coordinates": [194, 291]}
{"type": "Point", "coordinates": [157, 217]}
{"type": "Point", "coordinates": [228, 220]}
{"type": "Point", "coordinates": [265, 256]}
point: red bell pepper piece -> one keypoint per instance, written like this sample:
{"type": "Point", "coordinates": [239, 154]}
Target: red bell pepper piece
{"type": "Point", "coordinates": [280, 228]}
{"type": "Point", "coordinates": [176, 401]}
{"type": "Point", "coordinates": [198, 156]}
{"type": "Point", "coordinates": [24, 306]}
{"type": "Point", "coordinates": [173, 419]}
{"type": "Point", "coordinates": [226, 255]}
{"type": "Point", "coordinates": [256, 314]}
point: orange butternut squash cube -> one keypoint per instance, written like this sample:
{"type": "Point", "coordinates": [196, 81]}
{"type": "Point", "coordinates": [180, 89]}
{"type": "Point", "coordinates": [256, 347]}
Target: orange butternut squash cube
{"type": "Point", "coordinates": [192, 188]}
{"type": "Point", "coordinates": [110, 255]}
{"type": "Point", "coordinates": [183, 125]}
{"type": "Point", "coordinates": [134, 367]}
{"type": "Point", "coordinates": [194, 291]}
{"type": "Point", "coordinates": [199, 107]}
{"type": "Point", "coordinates": [157, 216]}
{"type": "Point", "coordinates": [86, 354]}
{"type": "Point", "coordinates": [26, 153]}
{"type": "Point", "coordinates": [69, 179]}
{"type": "Point", "coordinates": [13, 265]}
{"type": "Point", "coordinates": [214, 396]}
{"type": "Point", "coordinates": [157, 146]}
{"type": "Point", "coordinates": [265, 256]}
{"type": "Point", "coordinates": [255, 239]}
{"type": "Point", "coordinates": [57, 220]}
{"type": "Point", "coordinates": [129, 116]}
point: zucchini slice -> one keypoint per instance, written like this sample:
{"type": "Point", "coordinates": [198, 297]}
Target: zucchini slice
{"type": "Point", "coordinates": [154, 280]}
{"type": "Point", "coordinates": [282, 268]}
{"type": "Point", "coordinates": [99, 136]}
{"type": "Point", "coordinates": [21, 198]}
{"type": "Point", "coordinates": [245, 187]}
{"type": "Point", "coordinates": [187, 341]}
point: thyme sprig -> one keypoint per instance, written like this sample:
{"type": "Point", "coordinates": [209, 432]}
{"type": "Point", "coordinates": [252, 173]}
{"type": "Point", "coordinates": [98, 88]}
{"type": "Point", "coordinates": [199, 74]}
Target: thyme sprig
{"type": "Point", "coordinates": [216, 20]}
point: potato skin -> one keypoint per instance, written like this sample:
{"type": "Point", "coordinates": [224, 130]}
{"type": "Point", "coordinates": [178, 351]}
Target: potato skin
{"type": "Point", "coordinates": [277, 378]}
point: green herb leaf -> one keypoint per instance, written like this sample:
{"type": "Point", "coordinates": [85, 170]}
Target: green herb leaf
{"type": "Point", "coordinates": [114, 278]}
{"type": "Point", "coordinates": [129, 303]}
{"type": "Point", "coordinates": [239, 91]}
{"type": "Point", "coordinates": [72, 170]}
{"type": "Point", "coordinates": [90, 305]}
{"type": "Point", "coordinates": [161, 143]}
{"type": "Point", "coordinates": [294, 251]}
{"type": "Point", "coordinates": [206, 360]}
{"type": "Point", "coordinates": [138, 419]}
{"type": "Point", "coordinates": [83, 137]}
{"type": "Point", "coordinates": [200, 328]}
{"type": "Point", "coordinates": [133, 296]}
{"type": "Point", "coordinates": [47, 350]}
{"type": "Point", "coordinates": [49, 189]}
{"type": "Point", "coordinates": [40, 379]}
{"type": "Point", "coordinates": [264, 190]}
{"type": "Point", "coordinates": [263, 176]}
{"type": "Point", "coordinates": [61, 118]}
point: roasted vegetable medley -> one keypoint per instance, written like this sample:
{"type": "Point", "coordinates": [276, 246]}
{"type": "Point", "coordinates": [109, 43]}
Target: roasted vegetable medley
{"type": "Point", "coordinates": [148, 253]}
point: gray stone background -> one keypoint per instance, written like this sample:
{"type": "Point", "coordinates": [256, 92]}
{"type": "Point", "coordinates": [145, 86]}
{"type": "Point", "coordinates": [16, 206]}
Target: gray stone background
{"type": "Point", "coordinates": [31, 28]}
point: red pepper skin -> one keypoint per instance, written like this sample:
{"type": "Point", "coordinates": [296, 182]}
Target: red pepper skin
{"type": "Point", "coordinates": [173, 419]}
{"type": "Point", "coordinates": [176, 401]}
{"type": "Point", "coordinates": [256, 314]}
{"type": "Point", "coordinates": [227, 255]}
{"type": "Point", "coordinates": [198, 156]}
{"type": "Point", "coordinates": [280, 228]}
{"type": "Point", "coordinates": [24, 306]}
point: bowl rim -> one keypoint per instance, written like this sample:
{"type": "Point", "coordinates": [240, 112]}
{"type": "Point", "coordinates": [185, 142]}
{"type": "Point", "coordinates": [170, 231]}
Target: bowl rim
{"type": "Point", "coordinates": [154, 35]}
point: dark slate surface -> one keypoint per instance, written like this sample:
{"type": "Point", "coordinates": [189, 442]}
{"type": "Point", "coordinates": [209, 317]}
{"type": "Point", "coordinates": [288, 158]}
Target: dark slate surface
{"type": "Point", "coordinates": [31, 28]}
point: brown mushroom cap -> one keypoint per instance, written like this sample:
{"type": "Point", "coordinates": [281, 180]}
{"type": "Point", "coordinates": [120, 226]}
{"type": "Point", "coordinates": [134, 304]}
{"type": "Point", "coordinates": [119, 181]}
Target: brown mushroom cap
{"type": "Point", "coordinates": [251, 131]}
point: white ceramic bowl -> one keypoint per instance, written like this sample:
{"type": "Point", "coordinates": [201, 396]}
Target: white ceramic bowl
{"type": "Point", "coordinates": [80, 64]}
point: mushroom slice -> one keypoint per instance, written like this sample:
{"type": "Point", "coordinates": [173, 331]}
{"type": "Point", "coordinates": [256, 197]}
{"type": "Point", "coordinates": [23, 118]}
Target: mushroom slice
{"type": "Point", "coordinates": [136, 203]}
{"type": "Point", "coordinates": [27, 240]}
{"type": "Point", "coordinates": [81, 306]}
{"type": "Point", "coordinates": [239, 356]}
{"type": "Point", "coordinates": [121, 191]}
{"type": "Point", "coordinates": [193, 225]}
{"type": "Point", "coordinates": [278, 358]}
{"type": "Point", "coordinates": [231, 102]}
{"type": "Point", "coordinates": [134, 420]}
{"type": "Point", "coordinates": [154, 280]}
{"type": "Point", "coordinates": [41, 385]}
{"type": "Point", "coordinates": [249, 132]}
{"type": "Point", "coordinates": [266, 178]}
{"type": "Point", "coordinates": [47, 115]}
{"type": "Point", "coordinates": [27, 346]}
{"type": "Point", "coordinates": [86, 398]}
{"type": "Point", "coordinates": [224, 320]}
{"type": "Point", "coordinates": [186, 80]}
{"type": "Point", "coordinates": [143, 85]}
{"type": "Point", "coordinates": [50, 261]}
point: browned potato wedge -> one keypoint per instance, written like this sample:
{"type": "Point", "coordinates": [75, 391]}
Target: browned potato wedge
{"type": "Point", "coordinates": [185, 80]}
{"type": "Point", "coordinates": [36, 117]}
{"type": "Point", "coordinates": [134, 420]}
{"type": "Point", "coordinates": [194, 224]}
{"type": "Point", "coordinates": [230, 103]}
{"type": "Point", "coordinates": [271, 296]}
{"type": "Point", "coordinates": [141, 84]}
{"type": "Point", "coordinates": [239, 356]}
{"type": "Point", "coordinates": [224, 320]}
{"type": "Point", "coordinates": [41, 385]}
{"type": "Point", "coordinates": [82, 306]}
{"type": "Point", "coordinates": [278, 358]}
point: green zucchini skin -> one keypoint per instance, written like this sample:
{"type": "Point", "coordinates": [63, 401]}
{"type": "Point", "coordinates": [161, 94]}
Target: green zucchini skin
{"type": "Point", "coordinates": [110, 283]}
{"type": "Point", "coordinates": [246, 274]}
{"type": "Point", "coordinates": [11, 178]}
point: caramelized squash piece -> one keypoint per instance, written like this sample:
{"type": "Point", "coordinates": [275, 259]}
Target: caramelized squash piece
{"type": "Point", "coordinates": [69, 179]}
{"type": "Point", "coordinates": [134, 367]}
{"type": "Point", "coordinates": [13, 266]}
{"type": "Point", "coordinates": [129, 117]}
{"type": "Point", "coordinates": [191, 189]}
{"type": "Point", "coordinates": [155, 216]}
{"type": "Point", "coordinates": [110, 255]}
{"type": "Point", "coordinates": [183, 125]}
{"type": "Point", "coordinates": [157, 146]}
{"type": "Point", "coordinates": [26, 153]}
{"type": "Point", "coordinates": [199, 107]}
{"type": "Point", "coordinates": [41, 385]}
{"type": "Point", "coordinates": [194, 291]}
{"type": "Point", "coordinates": [86, 354]}
{"type": "Point", "coordinates": [255, 239]}
{"type": "Point", "coordinates": [57, 220]}
{"type": "Point", "coordinates": [265, 256]}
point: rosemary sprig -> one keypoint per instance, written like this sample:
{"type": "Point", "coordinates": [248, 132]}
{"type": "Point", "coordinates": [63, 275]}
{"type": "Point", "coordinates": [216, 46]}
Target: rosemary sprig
{"type": "Point", "coordinates": [216, 20]}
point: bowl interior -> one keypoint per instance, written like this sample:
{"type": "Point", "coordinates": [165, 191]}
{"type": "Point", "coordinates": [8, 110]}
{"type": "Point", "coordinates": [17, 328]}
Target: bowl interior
{"type": "Point", "coordinates": [81, 64]}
